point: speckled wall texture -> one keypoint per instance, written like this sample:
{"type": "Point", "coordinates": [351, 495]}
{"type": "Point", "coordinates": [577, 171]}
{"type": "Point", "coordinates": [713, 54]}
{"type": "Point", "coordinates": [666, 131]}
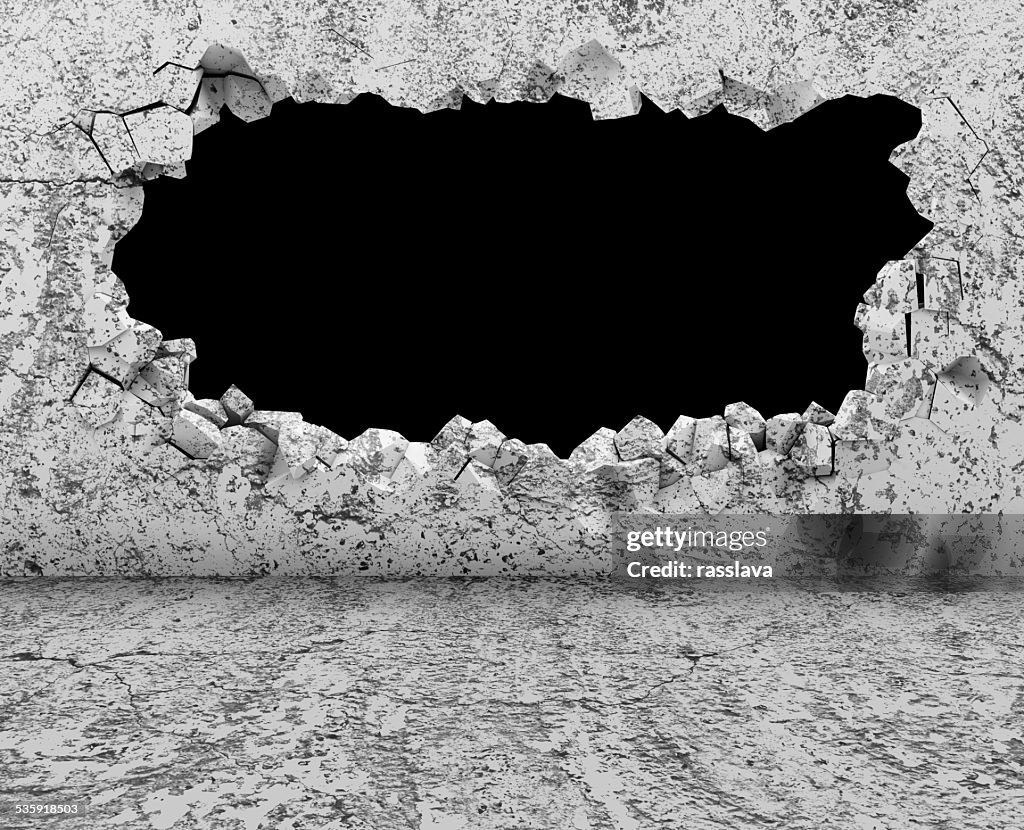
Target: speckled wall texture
{"type": "Point", "coordinates": [118, 469]}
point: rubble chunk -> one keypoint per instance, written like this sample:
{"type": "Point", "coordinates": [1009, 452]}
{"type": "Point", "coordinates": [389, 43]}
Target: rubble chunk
{"type": "Point", "coordinates": [941, 277]}
{"type": "Point", "coordinates": [456, 431]}
{"type": "Point", "coordinates": [269, 422]}
{"type": "Point", "coordinates": [711, 444]}
{"type": "Point", "coordinates": [783, 431]}
{"type": "Point", "coordinates": [512, 457]}
{"type": "Point", "coordinates": [885, 334]}
{"type": "Point", "coordinates": [377, 451]}
{"type": "Point", "coordinates": [894, 289]}
{"type": "Point", "coordinates": [817, 414]}
{"type": "Point", "coordinates": [679, 439]}
{"type": "Point", "coordinates": [597, 450]}
{"type": "Point", "coordinates": [905, 387]}
{"type": "Point", "coordinates": [812, 453]}
{"type": "Point", "coordinates": [745, 418]}
{"type": "Point", "coordinates": [193, 434]}
{"type": "Point", "coordinates": [862, 415]}
{"type": "Point", "coordinates": [415, 464]}
{"type": "Point", "coordinates": [640, 438]}
{"type": "Point", "coordinates": [483, 441]}
{"type": "Point", "coordinates": [237, 405]}
{"type": "Point", "coordinates": [742, 449]}
{"type": "Point", "coordinates": [213, 411]}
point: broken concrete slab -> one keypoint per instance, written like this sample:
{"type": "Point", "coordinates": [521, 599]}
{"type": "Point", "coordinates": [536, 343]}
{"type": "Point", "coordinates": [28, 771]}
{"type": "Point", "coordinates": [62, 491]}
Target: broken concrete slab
{"type": "Point", "coordinates": [483, 442]}
{"type": "Point", "coordinates": [817, 414]}
{"type": "Point", "coordinates": [894, 289]}
{"type": "Point", "coordinates": [680, 437]}
{"type": "Point", "coordinates": [377, 451]}
{"type": "Point", "coordinates": [193, 434]}
{"type": "Point", "coordinates": [598, 450]}
{"type": "Point", "coordinates": [905, 387]}
{"type": "Point", "coordinates": [863, 415]}
{"type": "Point", "coordinates": [208, 408]}
{"type": "Point", "coordinates": [745, 418]}
{"type": "Point", "coordinates": [237, 405]}
{"type": "Point", "coordinates": [812, 453]}
{"type": "Point", "coordinates": [783, 431]}
{"type": "Point", "coordinates": [640, 438]}
{"type": "Point", "coordinates": [270, 422]}
{"type": "Point", "coordinates": [943, 289]}
{"type": "Point", "coordinates": [885, 334]}
{"type": "Point", "coordinates": [710, 444]}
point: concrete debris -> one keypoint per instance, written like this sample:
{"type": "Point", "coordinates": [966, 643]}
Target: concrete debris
{"type": "Point", "coordinates": [483, 442]}
{"type": "Point", "coordinates": [596, 451]}
{"type": "Point", "coordinates": [512, 457]}
{"type": "Point", "coordinates": [817, 414]}
{"type": "Point", "coordinates": [783, 431]}
{"type": "Point", "coordinates": [237, 405]}
{"type": "Point", "coordinates": [943, 290]}
{"type": "Point", "coordinates": [746, 419]}
{"type": "Point", "coordinates": [863, 415]}
{"type": "Point", "coordinates": [928, 378]}
{"type": "Point", "coordinates": [454, 433]}
{"type": "Point", "coordinates": [213, 411]}
{"type": "Point", "coordinates": [106, 318]}
{"type": "Point", "coordinates": [228, 80]}
{"type": "Point", "coordinates": [270, 422]}
{"type": "Point", "coordinates": [590, 73]}
{"type": "Point", "coordinates": [194, 435]}
{"type": "Point", "coordinates": [377, 451]}
{"type": "Point", "coordinates": [884, 333]}
{"type": "Point", "coordinates": [678, 440]}
{"type": "Point", "coordinates": [742, 449]}
{"type": "Point", "coordinates": [161, 381]}
{"type": "Point", "coordinates": [640, 438]}
{"type": "Point", "coordinates": [894, 289]}
{"type": "Point", "coordinates": [97, 400]}
{"type": "Point", "coordinates": [812, 453]}
{"type": "Point", "coordinates": [416, 463]}
{"type": "Point", "coordinates": [905, 386]}
{"type": "Point", "coordinates": [123, 357]}
{"type": "Point", "coordinates": [710, 445]}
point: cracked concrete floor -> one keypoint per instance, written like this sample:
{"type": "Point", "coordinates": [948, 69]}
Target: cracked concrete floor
{"type": "Point", "coordinates": [338, 703]}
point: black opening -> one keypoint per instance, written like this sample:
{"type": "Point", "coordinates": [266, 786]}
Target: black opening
{"type": "Point", "coordinates": [368, 265]}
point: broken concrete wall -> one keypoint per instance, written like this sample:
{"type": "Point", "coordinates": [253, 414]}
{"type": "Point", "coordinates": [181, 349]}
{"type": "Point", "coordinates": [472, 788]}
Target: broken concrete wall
{"type": "Point", "coordinates": [112, 467]}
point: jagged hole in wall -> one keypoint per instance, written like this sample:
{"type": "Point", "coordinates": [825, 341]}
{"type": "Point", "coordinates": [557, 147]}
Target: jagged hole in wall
{"type": "Point", "coordinates": [369, 265]}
